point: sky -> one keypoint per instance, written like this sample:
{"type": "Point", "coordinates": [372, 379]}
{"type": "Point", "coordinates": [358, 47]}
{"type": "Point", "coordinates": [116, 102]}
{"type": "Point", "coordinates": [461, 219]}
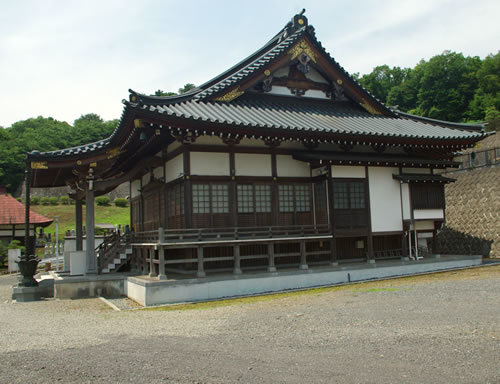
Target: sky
{"type": "Point", "coordinates": [67, 58]}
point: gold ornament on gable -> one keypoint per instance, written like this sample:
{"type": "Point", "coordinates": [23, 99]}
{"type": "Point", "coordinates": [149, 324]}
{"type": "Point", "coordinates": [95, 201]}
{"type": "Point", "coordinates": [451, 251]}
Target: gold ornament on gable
{"type": "Point", "coordinates": [300, 48]}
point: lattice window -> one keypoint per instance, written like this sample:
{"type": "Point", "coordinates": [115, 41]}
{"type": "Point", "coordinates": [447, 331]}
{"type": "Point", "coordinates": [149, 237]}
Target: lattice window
{"type": "Point", "coordinates": [201, 198]}
{"type": "Point", "coordinates": [263, 198]}
{"type": "Point", "coordinates": [245, 198]}
{"type": "Point", "coordinates": [286, 198]}
{"type": "Point", "coordinates": [357, 195]}
{"type": "Point", "coordinates": [220, 198]}
{"type": "Point", "coordinates": [302, 198]}
{"type": "Point", "coordinates": [340, 195]}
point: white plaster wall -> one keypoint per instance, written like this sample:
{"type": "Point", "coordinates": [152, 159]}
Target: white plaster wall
{"type": "Point", "coordinates": [174, 168]}
{"type": "Point", "coordinates": [316, 76]}
{"type": "Point", "coordinates": [279, 90]}
{"type": "Point", "coordinates": [292, 145]}
{"type": "Point", "coordinates": [405, 194]}
{"type": "Point", "coordinates": [315, 94]}
{"type": "Point", "coordinates": [247, 142]}
{"type": "Point", "coordinates": [248, 164]}
{"type": "Point", "coordinates": [320, 171]}
{"type": "Point", "coordinates": [419, 214]}
{"type": "Point", "coordinates": [158, 172]}
{"type": "Point", "coordinates": [209, 140]}
{"type": "Point", "coordinates": [135, 187]}
{"type": "Point", "coordinates": [209, 163]}
{"type": "Point", "coordinates": [146, 179]}
{"type": "Point", "coordinates": [423, 225]}
{"type": "Point", "coordinates": [289, 167]}
{"type": "Point", "coordinates": [417, 170]}
{"type": "Point", "coordinates": [176, 144]}
{"type": "Point", "coordinates": [19, 232]}
{"type": "Point", "coordinates": [348, 171]}
{"type": "Point", "coordinates": [385, 200]}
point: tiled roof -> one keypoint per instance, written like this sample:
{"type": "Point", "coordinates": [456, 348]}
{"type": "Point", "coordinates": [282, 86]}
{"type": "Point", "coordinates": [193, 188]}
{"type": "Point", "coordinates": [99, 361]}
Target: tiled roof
{"type": "Point", "coordinates": [12, 212]}
{"type": "Point", "coordinates": [297, 115]}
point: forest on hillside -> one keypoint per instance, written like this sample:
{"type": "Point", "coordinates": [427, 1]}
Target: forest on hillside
{"type": "Point", "coordinates": [448, 86]}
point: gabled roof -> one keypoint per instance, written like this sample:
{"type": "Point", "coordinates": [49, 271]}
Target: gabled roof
{"type": "Point", "coordinates": [12, 212]}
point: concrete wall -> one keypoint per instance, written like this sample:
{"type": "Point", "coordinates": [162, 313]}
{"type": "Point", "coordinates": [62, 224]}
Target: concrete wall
{"type": "Point", "coordinates": [167, 292]}
{"type": "Point", "coordinates": [385, 200]}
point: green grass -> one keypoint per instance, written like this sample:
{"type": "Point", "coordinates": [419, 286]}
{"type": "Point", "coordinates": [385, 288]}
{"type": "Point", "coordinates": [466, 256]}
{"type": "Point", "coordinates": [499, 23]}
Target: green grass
{"type": "Point", "coordinates": [66, 214]}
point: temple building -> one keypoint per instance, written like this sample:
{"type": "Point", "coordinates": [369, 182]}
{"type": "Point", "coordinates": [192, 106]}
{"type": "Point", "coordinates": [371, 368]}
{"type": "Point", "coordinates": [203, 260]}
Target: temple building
{"type": "Point", "coordinates": [283, 161]}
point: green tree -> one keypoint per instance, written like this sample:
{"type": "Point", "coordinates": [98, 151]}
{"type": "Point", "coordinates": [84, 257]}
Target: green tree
{"type": "Point", "coordinates": [382, 79]}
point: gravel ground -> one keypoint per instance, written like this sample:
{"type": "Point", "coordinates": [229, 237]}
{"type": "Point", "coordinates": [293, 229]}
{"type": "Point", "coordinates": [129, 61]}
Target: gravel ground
{"type": "Point", "coordinates": [442, 328]}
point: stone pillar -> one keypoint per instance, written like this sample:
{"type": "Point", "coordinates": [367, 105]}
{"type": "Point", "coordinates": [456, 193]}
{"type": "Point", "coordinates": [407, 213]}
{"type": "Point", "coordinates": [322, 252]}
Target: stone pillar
{"type": "Point", "coordinates": [201, 269]}
{"type": "Point", "coordinates": [79, 227]}
{"type": "Point", "coordinates": [270, 251]}
{"type": "Point", "coordinates": [370, 255]}
{"type": "Point", "coordinates": [303, 258]}
{"type": "Point", "coordinates": [152, 269]}
{"type": "Point", "coordinates": [333, 252]}
{"type": "Point", "coordinates": [237, 260]}
{"type": "Point", "coordinates": [91, 264]}
{"type": "Point", "coordinates": [162, 275]}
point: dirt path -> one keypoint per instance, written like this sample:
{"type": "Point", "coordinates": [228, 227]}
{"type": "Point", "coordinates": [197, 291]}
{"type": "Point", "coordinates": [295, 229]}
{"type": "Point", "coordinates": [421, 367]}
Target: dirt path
{"type": "Point", "coordinates": [442, 328]}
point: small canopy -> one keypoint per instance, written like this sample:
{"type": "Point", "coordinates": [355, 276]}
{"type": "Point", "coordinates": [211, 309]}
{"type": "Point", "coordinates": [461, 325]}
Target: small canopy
{"type": "Point", "coordinates": [423, 178]}
{"type": "Point", "coordinates": [12, 212]}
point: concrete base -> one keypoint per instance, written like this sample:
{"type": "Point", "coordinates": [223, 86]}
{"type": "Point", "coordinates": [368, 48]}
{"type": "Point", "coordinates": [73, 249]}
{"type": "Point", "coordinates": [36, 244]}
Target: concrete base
{"type": "Point", "coordinates": [151, 292]}
{"type": "Point", "coordinates": [77, 287]}
{"type": "Point", "coordinates": [45, 289]}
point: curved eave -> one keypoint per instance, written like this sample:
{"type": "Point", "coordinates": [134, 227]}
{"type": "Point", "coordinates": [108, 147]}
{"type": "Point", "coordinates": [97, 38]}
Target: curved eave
{"type": "Point", "coordinates": [450, 124]}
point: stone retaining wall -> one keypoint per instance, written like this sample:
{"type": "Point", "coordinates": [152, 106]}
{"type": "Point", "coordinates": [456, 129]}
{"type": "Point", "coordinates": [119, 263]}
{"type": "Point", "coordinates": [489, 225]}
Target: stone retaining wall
{"type": "Point", "coordinates": [472, 213]}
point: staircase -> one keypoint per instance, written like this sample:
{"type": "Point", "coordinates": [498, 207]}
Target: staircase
{"type": "Point", "coordinates": [113, 253]}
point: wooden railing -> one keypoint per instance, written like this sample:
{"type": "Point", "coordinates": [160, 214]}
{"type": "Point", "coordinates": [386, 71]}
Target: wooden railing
{"type": "Point", "coordinates": [209, 235]}
{"type": "Point", "coordinates": [110, 248]}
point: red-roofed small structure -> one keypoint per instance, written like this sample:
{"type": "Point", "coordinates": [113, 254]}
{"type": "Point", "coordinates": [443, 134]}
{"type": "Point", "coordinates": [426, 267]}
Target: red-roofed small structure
{"type": "Point", "coordinates": [12, 221]}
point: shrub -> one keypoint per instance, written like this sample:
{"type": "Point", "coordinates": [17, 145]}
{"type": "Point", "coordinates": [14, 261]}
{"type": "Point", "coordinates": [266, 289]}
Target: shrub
{"type": "Point", "coordinates": [65, 200]}
{"type": "Point", "coordinates": [121, 202]}
{"type": "Point", "coordinates": [19, 199]}
{"type": "Point", "coordinates": [34, 200]}
{"type": "Point", "coordinates": [45, 201]}
{"type": "Point", "coordinates": [3, 255]}
{"type": "Point", "coordinates": [102, 200]}
{"type": "Point", "coordinates": [54, 200]}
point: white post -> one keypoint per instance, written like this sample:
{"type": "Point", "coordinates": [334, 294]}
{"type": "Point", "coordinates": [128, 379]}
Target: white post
{"type": "Point", "coordinates": [57, 243]}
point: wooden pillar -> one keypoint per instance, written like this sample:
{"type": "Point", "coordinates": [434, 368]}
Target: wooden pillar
{"type": "Point", "coordinates": [79, 224]}
{"type": "Point", "coordinates": [233, 206]}
{"type": "Point", "coordinates": [303, 256]}
{"type": "Point", "coordinates": [237, 260]}
{"type": "Point", "coordinates": [404, 244]}
{"type": "Point", "coordinates": [270, 250]}
{"type": "Point", "coordinates": [201, 269]}
{"type": "Point", "coordinates": [162, 274]}
{"type": "Point", "coordinates": [275, 206]}
{"type": "Point", "coordinates": [91, 260]}
{"type": "Point", "coordinates": [331, 217]}
{"type": "Point", "coordinates": [188, 192]}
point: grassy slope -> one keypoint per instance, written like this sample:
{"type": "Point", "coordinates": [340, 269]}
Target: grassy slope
{"type": "Point", "coordinates": [66, 214]}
